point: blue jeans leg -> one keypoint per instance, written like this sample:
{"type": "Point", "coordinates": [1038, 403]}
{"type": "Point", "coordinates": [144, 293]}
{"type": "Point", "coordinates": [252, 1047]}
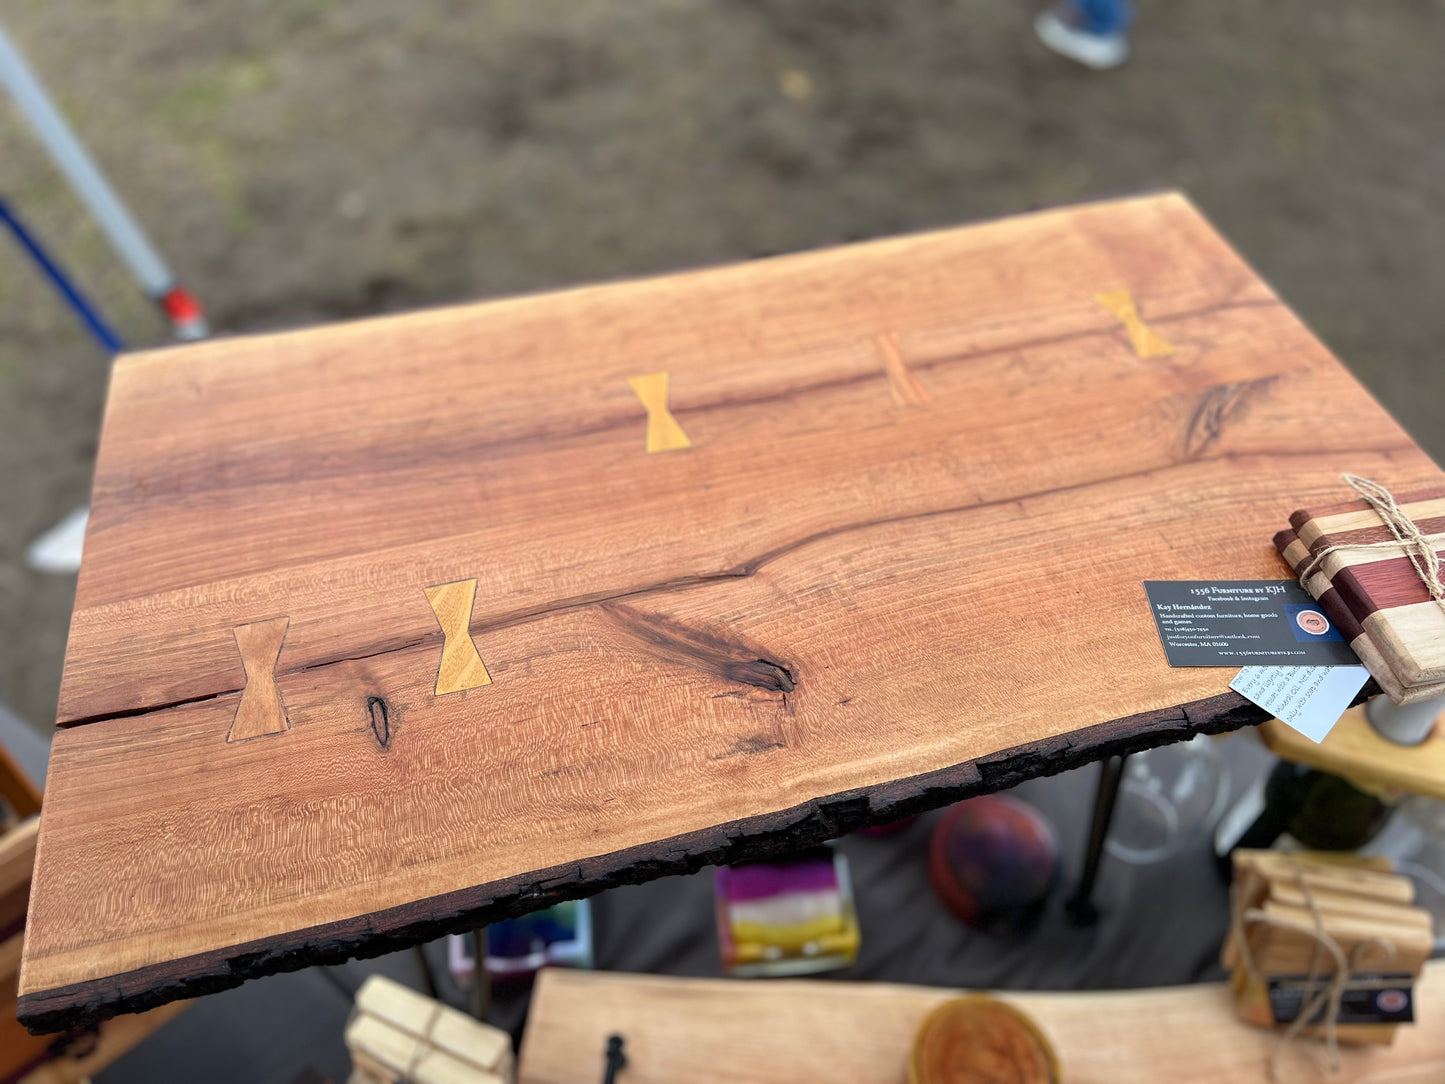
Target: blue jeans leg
{"type": "Point", "coordinates": [1104, 16]}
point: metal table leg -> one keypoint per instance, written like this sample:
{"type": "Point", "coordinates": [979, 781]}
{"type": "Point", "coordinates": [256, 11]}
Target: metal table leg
{"type": "Point", "coordinates": [481, 985]}
{"type": "Point", "coordinates": [1080, 906]}
{"type": "Point", "coordinates": [428, 980]}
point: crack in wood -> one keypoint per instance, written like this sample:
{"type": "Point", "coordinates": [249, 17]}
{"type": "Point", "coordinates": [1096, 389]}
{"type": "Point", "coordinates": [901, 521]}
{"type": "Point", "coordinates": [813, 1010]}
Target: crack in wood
{"type": "Point", "coordinates": [748, 567]}
{"type": "Point", "coordinates": [623, 420]}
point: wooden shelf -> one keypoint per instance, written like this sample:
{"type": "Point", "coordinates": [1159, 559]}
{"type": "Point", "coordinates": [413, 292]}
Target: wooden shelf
{"type": "Point", "coordinates": [783, 1031]}
{"type": "Point", "coordinates": [410, 624]}
{"type": "Point", "coordinates": [1354, 749]}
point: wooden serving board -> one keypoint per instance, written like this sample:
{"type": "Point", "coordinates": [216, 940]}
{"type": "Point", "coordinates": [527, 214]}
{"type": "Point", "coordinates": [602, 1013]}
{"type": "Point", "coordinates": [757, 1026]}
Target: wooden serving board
{"type": "Point", "coordinates": [404, 625]}
{"type": "Point", "coordinates": [772, 1031]}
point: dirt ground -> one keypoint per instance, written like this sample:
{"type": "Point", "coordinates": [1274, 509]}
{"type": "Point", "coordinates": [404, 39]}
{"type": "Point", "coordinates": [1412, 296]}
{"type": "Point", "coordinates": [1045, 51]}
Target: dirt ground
{"type": "Point", "coordinates": [311, 160]}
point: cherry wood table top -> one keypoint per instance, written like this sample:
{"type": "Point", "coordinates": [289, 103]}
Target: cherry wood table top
{"type": "Point", "coordinates": [405, 625]}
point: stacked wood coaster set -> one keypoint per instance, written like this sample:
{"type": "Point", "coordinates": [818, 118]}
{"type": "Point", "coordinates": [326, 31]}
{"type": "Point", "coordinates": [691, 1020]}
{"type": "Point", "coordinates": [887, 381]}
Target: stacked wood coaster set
{"type": "Point", "coordinates": [1325, 944]}
{"type": "Point", "coordinates": [398, 1036]}
{"type": "Point", "coordinates": [1372, 575]}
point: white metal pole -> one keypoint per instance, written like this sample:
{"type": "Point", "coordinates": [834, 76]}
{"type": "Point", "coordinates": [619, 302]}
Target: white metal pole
{"type": "Point", "coordinates": [90, 185]}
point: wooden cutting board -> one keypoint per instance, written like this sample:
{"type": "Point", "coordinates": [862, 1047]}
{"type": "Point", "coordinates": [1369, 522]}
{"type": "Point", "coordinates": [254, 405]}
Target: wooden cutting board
{"type": "Point", "coordinates": [408, 624]}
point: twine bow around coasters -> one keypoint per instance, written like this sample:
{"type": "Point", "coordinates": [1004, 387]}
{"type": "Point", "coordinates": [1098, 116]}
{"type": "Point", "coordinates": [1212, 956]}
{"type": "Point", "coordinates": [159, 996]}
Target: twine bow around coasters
{"type": "Point", "coordinates": [1409, 539]}
{"type": "Point", "coordinates": [423, 1044]}
{"type": "Point", "coordinates": [1326, 996]}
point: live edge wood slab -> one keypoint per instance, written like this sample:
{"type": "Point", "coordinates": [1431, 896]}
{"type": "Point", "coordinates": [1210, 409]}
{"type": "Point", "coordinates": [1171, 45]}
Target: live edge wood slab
{"type": "Point", "coordinates": [411, 624]}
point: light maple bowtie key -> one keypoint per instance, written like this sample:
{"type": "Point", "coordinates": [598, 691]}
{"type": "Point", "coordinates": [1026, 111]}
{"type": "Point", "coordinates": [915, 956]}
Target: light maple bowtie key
{"type": "Point", "coordinates": [461, 665]}
{"type": "Point", "coordinates": [1147, 342]}
{"type": "Point", "coordinates": [664, 434]}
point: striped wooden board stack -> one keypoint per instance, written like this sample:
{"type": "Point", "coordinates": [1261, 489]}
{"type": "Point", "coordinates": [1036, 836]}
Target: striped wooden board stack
{"type": "Point", "coordinates": [1376, 596]}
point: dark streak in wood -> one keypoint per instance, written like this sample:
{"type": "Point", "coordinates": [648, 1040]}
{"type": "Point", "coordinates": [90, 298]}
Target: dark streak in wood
{"type": "Point", "coordinates": [751, 746]}
{"type": "Point", "coordinates": [712, 652]}
{"type": "Point", "coordinates": [755, 838]}
{"type": "Point", "coordinates": [1217, 406]}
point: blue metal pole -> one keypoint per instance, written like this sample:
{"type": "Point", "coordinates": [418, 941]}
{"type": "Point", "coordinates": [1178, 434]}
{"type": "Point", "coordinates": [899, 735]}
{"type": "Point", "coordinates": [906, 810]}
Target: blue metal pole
{"type": "Point", "coordinates": [83, 308]}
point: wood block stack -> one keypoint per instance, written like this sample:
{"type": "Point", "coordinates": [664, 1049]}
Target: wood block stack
{"type": "Point", "coordinates": [1375, 596]}
{"type": "Point", "coordinates": [1360, 904]}
{"type": "Point", "coordinates": [398, 1036]}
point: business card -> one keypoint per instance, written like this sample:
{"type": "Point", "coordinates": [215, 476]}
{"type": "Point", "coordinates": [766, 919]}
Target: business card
{"type": "Point", "coordinates": [1244, 623]}
{"type": "Point", "coordinates": [1367, 999]}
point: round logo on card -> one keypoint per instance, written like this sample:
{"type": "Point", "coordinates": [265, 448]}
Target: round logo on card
{"type": "Point", "coordinates": [1313, 622]}
{"type": "Point", "coordinates": [1391, 1000]}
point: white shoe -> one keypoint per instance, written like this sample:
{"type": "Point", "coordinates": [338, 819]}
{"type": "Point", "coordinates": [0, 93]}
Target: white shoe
{"type": "Point", "coordinates": [58, 549]}
{"type": "Point", "coordinates": [1097, 51]}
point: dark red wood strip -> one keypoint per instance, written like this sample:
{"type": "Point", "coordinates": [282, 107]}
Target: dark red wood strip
{"type": "Point", "coordinates": [1379, 585]}
{"type": "Point", "coordinates": [1330, 601]}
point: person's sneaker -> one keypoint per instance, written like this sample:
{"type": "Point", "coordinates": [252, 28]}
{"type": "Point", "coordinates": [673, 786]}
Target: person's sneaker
{"type": "Point", "coordinates": [1097, 51]}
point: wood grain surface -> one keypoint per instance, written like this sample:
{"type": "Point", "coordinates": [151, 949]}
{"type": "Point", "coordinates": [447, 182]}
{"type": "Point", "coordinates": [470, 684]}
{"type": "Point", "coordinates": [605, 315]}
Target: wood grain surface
{"type": "Point", "coordinates": [898, 564]}
{"type": "Point", "coordinates": [772, 1031]}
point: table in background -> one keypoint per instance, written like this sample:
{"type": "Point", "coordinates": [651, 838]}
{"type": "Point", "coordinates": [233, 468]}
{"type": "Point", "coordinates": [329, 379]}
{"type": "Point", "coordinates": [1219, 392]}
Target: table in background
{"type": "Point", "coordinates": [711, 1031]}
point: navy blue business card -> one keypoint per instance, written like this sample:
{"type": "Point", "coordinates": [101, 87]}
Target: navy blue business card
{"type": "Point", "coordinates": [1366, 999]}
{"type": "Point", "coordinates": [1244, 623]}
